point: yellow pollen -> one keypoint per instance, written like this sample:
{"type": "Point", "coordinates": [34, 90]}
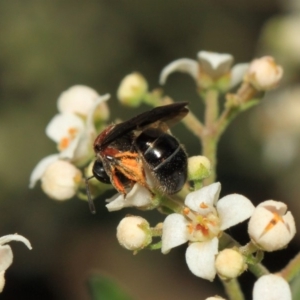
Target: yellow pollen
{"type": "Point", "coordinates": [190, 228]}
{"type": "Point", "coordinates": [72, 132]}
{"type": "Point", "coordinates": [186, 211]}
{"type": "Point", "coordinates": [273, 222]}
{"type": "Point", "coordinates": [64, 143]}
{"type": "Point", "coordinates": [203, 205]}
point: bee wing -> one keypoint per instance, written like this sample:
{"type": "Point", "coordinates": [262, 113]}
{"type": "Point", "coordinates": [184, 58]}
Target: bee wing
{"type": "Point", "coordinates": [161, 116]}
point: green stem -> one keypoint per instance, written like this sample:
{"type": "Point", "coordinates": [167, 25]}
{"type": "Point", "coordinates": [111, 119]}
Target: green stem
{"type": "Point", "coordinates": [190, 121]}
{"type": "Point", "coordinates": [171, 204]}
{"type": "Point", "coordinates": [248, 249]}
{"type": "Point", "coordinates": [258, 270]}
{"type": "Point", "coordinates": [226, 117]}
{"type": "Point", "coordinates": [211, 108]}
{"type": "Point", "coordinates": [209, 136]}
{"type": "Point", "coordinates": [233, 289]}
{"type": "Point", "coordinates": [292, 269]}
{"type": "Point", "coordinates": [209, 150]}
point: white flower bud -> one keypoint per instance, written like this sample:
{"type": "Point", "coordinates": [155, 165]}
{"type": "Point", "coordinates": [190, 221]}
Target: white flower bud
{"type": "Point", "coordinates": [133, 233]}
{"type": "Point", "coordinates": [215, 298]}
{"type": "Point", "coordinates": [271, 227]}
{"type": "Point", "coordinates": [198, 167]}
{"type": "Point", "coordinates": [230, 263]}
{"type": "Point", "coordinates": [132, 89]}
{"type": "Point", "coordinates": [264, 74]}
{"type": "Point", "coordinates": [271, 287]}
{"type": "Point", "coordinates": [61, 180]}
{"type": "Point", "coordinates": [79, 99]}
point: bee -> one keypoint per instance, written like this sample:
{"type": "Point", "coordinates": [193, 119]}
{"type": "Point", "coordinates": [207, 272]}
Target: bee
{"type": "Point", "coordinates": [127, 151]}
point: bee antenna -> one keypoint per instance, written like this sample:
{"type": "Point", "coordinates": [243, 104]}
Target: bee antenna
{"type": "Point", "coordinates": [89, 195]}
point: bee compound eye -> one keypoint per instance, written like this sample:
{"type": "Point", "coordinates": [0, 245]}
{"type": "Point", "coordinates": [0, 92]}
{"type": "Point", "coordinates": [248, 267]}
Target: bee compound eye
{"type": "Point", "coordinates": [100, 173]}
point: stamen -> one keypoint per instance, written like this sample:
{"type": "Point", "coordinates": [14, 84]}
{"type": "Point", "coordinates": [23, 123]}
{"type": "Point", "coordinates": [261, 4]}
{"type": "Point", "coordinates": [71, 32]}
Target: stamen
{"type": "Point", "coordinates": [276, 218]}
{"type": "Point", "coordinates": [64, 143]}
{"type": "Point", "coordinates": [203, 205]}
{"type": "Point", "coordinates": [73, 132]}
{"type": "Point", "coordinates": [186, 211]}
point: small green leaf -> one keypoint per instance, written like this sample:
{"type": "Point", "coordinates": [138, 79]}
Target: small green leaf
{"type": "Point", "coordinates": [102, 287]}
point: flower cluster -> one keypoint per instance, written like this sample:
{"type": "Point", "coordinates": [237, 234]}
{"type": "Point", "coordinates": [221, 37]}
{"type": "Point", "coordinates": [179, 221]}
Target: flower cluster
{"type": "Point", "coordinates": [82, 112]}
{"type": "Point", "coordinates": [202, 223]}
{"type": "Point", "coordinates": [195, 215]}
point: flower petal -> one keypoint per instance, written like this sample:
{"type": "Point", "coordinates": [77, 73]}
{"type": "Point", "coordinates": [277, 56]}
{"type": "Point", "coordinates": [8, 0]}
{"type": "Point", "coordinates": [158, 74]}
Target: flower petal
{"type": "Point", "coordinates": [78, 99]}
{"type": "Point", "coordinates": [15, 237]}
{"type": "Point", "coordinates": [184, 65]}
{"type": "Point", "coordinates": [6, 257]}
{"type": "Point", "coordinates": [174, 232]}
{"type": "Point", "coordinates": [69, 152]}
{"type": "Point", "coordinates": [200, 258]}
{"type": "Point", "coordinates": [207, 195]}
{"type": "Point", "coordinates": [91, 112]}
{"type": "Point", "coordinates": [63, 125]}
{"type": "Point", "coordinates": [40, 168]}
{"type": "Point", "coordinates": [270, 287]}
{"type": "Point", "coordinates": [138, 196]}
{"type": "Point", "coordinates": [215, 64]}
{"type": "Point", "coordinates": [237, 73]}
{"type": "Point", "coordinates": [234, 209]}
{"type": "Point", "coordinates": [2, 281]}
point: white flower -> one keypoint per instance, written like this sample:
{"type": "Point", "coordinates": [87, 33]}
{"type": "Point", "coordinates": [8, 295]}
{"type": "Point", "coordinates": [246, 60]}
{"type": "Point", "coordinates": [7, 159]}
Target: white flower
{"type": "Point", "coordinates": [66, 129]}
{"type": "Point", "coordinates": [203, 221]}
{"type": "Point", "coordinates": [80, 100]}
{"type": "Point", "coordinates": [132, 89]}
{"type": "Point", "coordinates": [138, 196]}
{"type": "Point", "coordinates": [215, 298]}
{"type": "Point", "coordinates": [60, 179]}
{"type": "Point", "coordinates": [209, 68]}
{"type": "Point", "coordinates": [74, 135]}
{"type": "Point", "coordinates": [133, 233]}
{"type": "Point", "coordinates": [6, 255]}
{"type": "Point", "coordinates": [271, 287]}
{"type": "Point", "coordinates": [271, 227]}
{"type": "Point", "coordinates": [263, 73]}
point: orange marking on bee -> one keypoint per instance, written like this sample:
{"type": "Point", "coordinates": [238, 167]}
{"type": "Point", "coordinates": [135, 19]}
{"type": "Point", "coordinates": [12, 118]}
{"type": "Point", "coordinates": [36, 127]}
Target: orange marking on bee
{"type": "Point", "coordinates": [131, 166]}
{"type": "Point", "coordinates": [117, 183]}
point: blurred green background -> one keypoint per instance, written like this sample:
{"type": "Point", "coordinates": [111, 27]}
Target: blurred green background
{"type": "Point", "coordinates": [48, 46]}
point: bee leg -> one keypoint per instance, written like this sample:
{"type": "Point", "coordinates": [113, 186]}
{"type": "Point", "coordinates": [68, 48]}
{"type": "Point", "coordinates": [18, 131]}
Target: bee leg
{"type": "Point", "coordinates": [116, 182]}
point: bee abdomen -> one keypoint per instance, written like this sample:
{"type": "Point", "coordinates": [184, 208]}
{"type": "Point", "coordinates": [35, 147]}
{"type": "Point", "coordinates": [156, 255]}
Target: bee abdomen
{"type": "Point", "coordinates": [165, 158]}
